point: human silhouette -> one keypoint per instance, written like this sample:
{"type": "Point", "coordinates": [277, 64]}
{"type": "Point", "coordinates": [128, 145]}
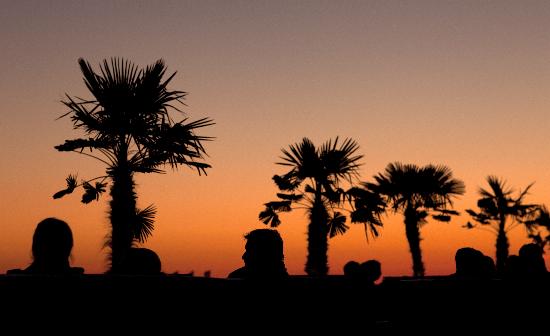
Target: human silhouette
{"type": "Point", "coordinates": [263, 257]}
{"type": "Point", "coordinates": [469, 263]}
{"type": "Point", "coordinates": [532, 261]}
{"type": "Point", "coordinates": [370, 271]}
{"type": "Point", "coordinates": [52, 243]}
{"type": "Point", "coordinates": [352, 269]}
{"type": "Point", "coordinates": [141, 261]}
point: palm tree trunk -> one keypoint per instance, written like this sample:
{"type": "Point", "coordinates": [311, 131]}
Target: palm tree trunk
{"type": "Point", "coordinates": [413, 237]}
{"type": "Point", "coordinates": [123, 211]}
{"type": "Point", "coordinates": [317, 248]}
{"type": "Point", "coordinates": [502, 247]}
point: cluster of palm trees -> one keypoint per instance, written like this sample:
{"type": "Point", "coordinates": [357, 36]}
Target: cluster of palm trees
{"type": "Point", "coordinates": [129, 129]}
{"type": "Point", "coordinates": [325, 182]}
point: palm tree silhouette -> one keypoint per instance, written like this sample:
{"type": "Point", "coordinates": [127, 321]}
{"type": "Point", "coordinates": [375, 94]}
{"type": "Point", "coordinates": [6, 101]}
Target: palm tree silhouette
{"type": "Point", "coordinates": [415, 191]}
{"type": "Point", "coordinates": [500, 212]}
{"type": "Point", "coordinates": [314, 183]}
{"type": "Point", "coordinates": [129, 125]}
{"type": "Point", "coordinates": [539, 221]}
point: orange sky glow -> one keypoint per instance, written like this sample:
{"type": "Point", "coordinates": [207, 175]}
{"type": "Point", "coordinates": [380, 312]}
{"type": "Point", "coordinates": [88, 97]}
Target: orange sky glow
{"type": "Point", "coordinates": [465, 84]}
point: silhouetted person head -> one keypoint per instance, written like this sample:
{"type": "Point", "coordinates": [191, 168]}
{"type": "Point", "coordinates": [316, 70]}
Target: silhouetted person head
{"type": "Point", "coordinates": [371, 270]}
{"type": "Point", "coordinates": [532, 260]}
{"type": "Point", "coordinates": [470, 262]}
{"type": "Point", "coordinates": [52, 243]}
{"type": "Point", "coordinates": [351, 269]}
{"type": "Point", "coordinates": [141, 261]}
{"type": "Point", "coordinates": [263, 256]}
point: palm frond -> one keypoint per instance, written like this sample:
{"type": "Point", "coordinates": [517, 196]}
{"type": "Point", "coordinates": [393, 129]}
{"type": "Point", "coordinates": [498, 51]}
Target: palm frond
{"type": "Point", "coordinates": [337, 224]}
{"type": "Point", "coordinates": [269, 217]}
{"type": "Point", "coordinates": [92, 193]}
{"type": "Point", "coordinates": [469, 225]}
{"type": "Point", "coordinates": [71, 185]}
{"type": "Point", "coordinates": [340, 161]}
{"type": "Point", "coordinates": [442, 218]}
{"type": "Point", "coordinates": [144, 223]}
{"type": "Point", "coordinates": [309, 189]}
{"type": "Point", "coordinates": [287, 182]}
{"type": "Point", "coordinates": [282, 206]}
{"type": "Point", "coordinates": [290, 197]}
{"type": "Point", "coordinates": [304, 158]}
{"type": "Point", "coordinates": [449, 212]}
{"type": "Point", "coordinates": [80, 144]}
{"type": "Point", "coordinates": [331, 194]}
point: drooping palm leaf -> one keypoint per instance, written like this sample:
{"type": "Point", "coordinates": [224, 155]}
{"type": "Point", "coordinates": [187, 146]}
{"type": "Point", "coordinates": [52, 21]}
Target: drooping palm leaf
{"type": "Point", "coordinates": [144, 223]}
{"type": "Point", "coordinates": [337, 224]}
{"type": "Point", "coordinates": [290, 197]}
{"type": "Point", "coordinates": [269, 217]}
{"type": "Point", "coordinates": [71, 186]}
{"type": "Point", "coordinates": [368, 208]}
{"type": "Point", "coordinates": [287, 182]}
{"type": "Point", "coordinates": [92, 193]}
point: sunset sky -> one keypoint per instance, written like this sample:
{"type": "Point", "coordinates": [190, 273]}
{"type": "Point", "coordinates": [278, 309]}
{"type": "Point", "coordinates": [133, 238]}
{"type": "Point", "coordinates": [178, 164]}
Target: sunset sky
{"type": "Point", "coordinates": [460, 83]}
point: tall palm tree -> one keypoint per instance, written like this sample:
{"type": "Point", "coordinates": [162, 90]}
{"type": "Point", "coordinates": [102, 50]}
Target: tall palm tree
{"type": "Point", "coordinates": [500, 212]}
{"type": "Point", "coordinates": [314, 183]}
{"type": "Point", "coordinates": [416, 191]}
{"type": "Point", "coordinates": [130, 129]}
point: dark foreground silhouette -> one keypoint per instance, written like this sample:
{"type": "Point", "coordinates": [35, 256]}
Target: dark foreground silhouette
{"type": "Point", "coordinates": [295, 304]}
{"type": "Point", "coordinates": [263, 256]}
{"type": "Point", "coordinates": [141, 261]}
{"type": "Point", "coordinates": [52, 243]}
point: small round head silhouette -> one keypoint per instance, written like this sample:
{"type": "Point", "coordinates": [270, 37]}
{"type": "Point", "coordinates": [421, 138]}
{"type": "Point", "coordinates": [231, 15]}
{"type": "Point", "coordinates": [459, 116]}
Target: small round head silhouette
{"type": "Point", "coordinates": [530, 251]}
{"type": "Point", "coordinates": [532, 260]}
{"type": "Point", "coordinates": [352, 269]}
{"type": "Point", "coordinates": [469, 262]}
{"type": "Point", "coordinates": [141, 261]}
{"type": "Point", "coordinates": [263, 256]}
{"type": "Point", "coordinates": [52, 243]}
{"type": "Point", "coordinates": [371, 270]}
{"type": "Point", "coordinates": [263, 246]}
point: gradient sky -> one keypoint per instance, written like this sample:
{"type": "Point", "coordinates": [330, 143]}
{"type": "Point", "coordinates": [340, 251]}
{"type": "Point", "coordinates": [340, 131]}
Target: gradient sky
{"type": "Point", "coordinates": [460, 83]}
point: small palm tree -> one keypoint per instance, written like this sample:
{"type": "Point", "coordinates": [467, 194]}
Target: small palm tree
{"type": "Point", "coordinates": [537, 223]}
{"type": "Point", "coordinates": [130, 130]}
{"type": "Point", "coordinates": [500, 212]}
{"type": "Point", "coordinates": [314, 183]}
{"type": "Point", "coordinates": [416, 191]}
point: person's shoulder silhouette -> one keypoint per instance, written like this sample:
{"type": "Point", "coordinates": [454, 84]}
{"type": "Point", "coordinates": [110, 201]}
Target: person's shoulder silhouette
{"type": "Point", "coordinates": [263, 256]}
{"type": "Point", "coordinates": [52, 243]}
